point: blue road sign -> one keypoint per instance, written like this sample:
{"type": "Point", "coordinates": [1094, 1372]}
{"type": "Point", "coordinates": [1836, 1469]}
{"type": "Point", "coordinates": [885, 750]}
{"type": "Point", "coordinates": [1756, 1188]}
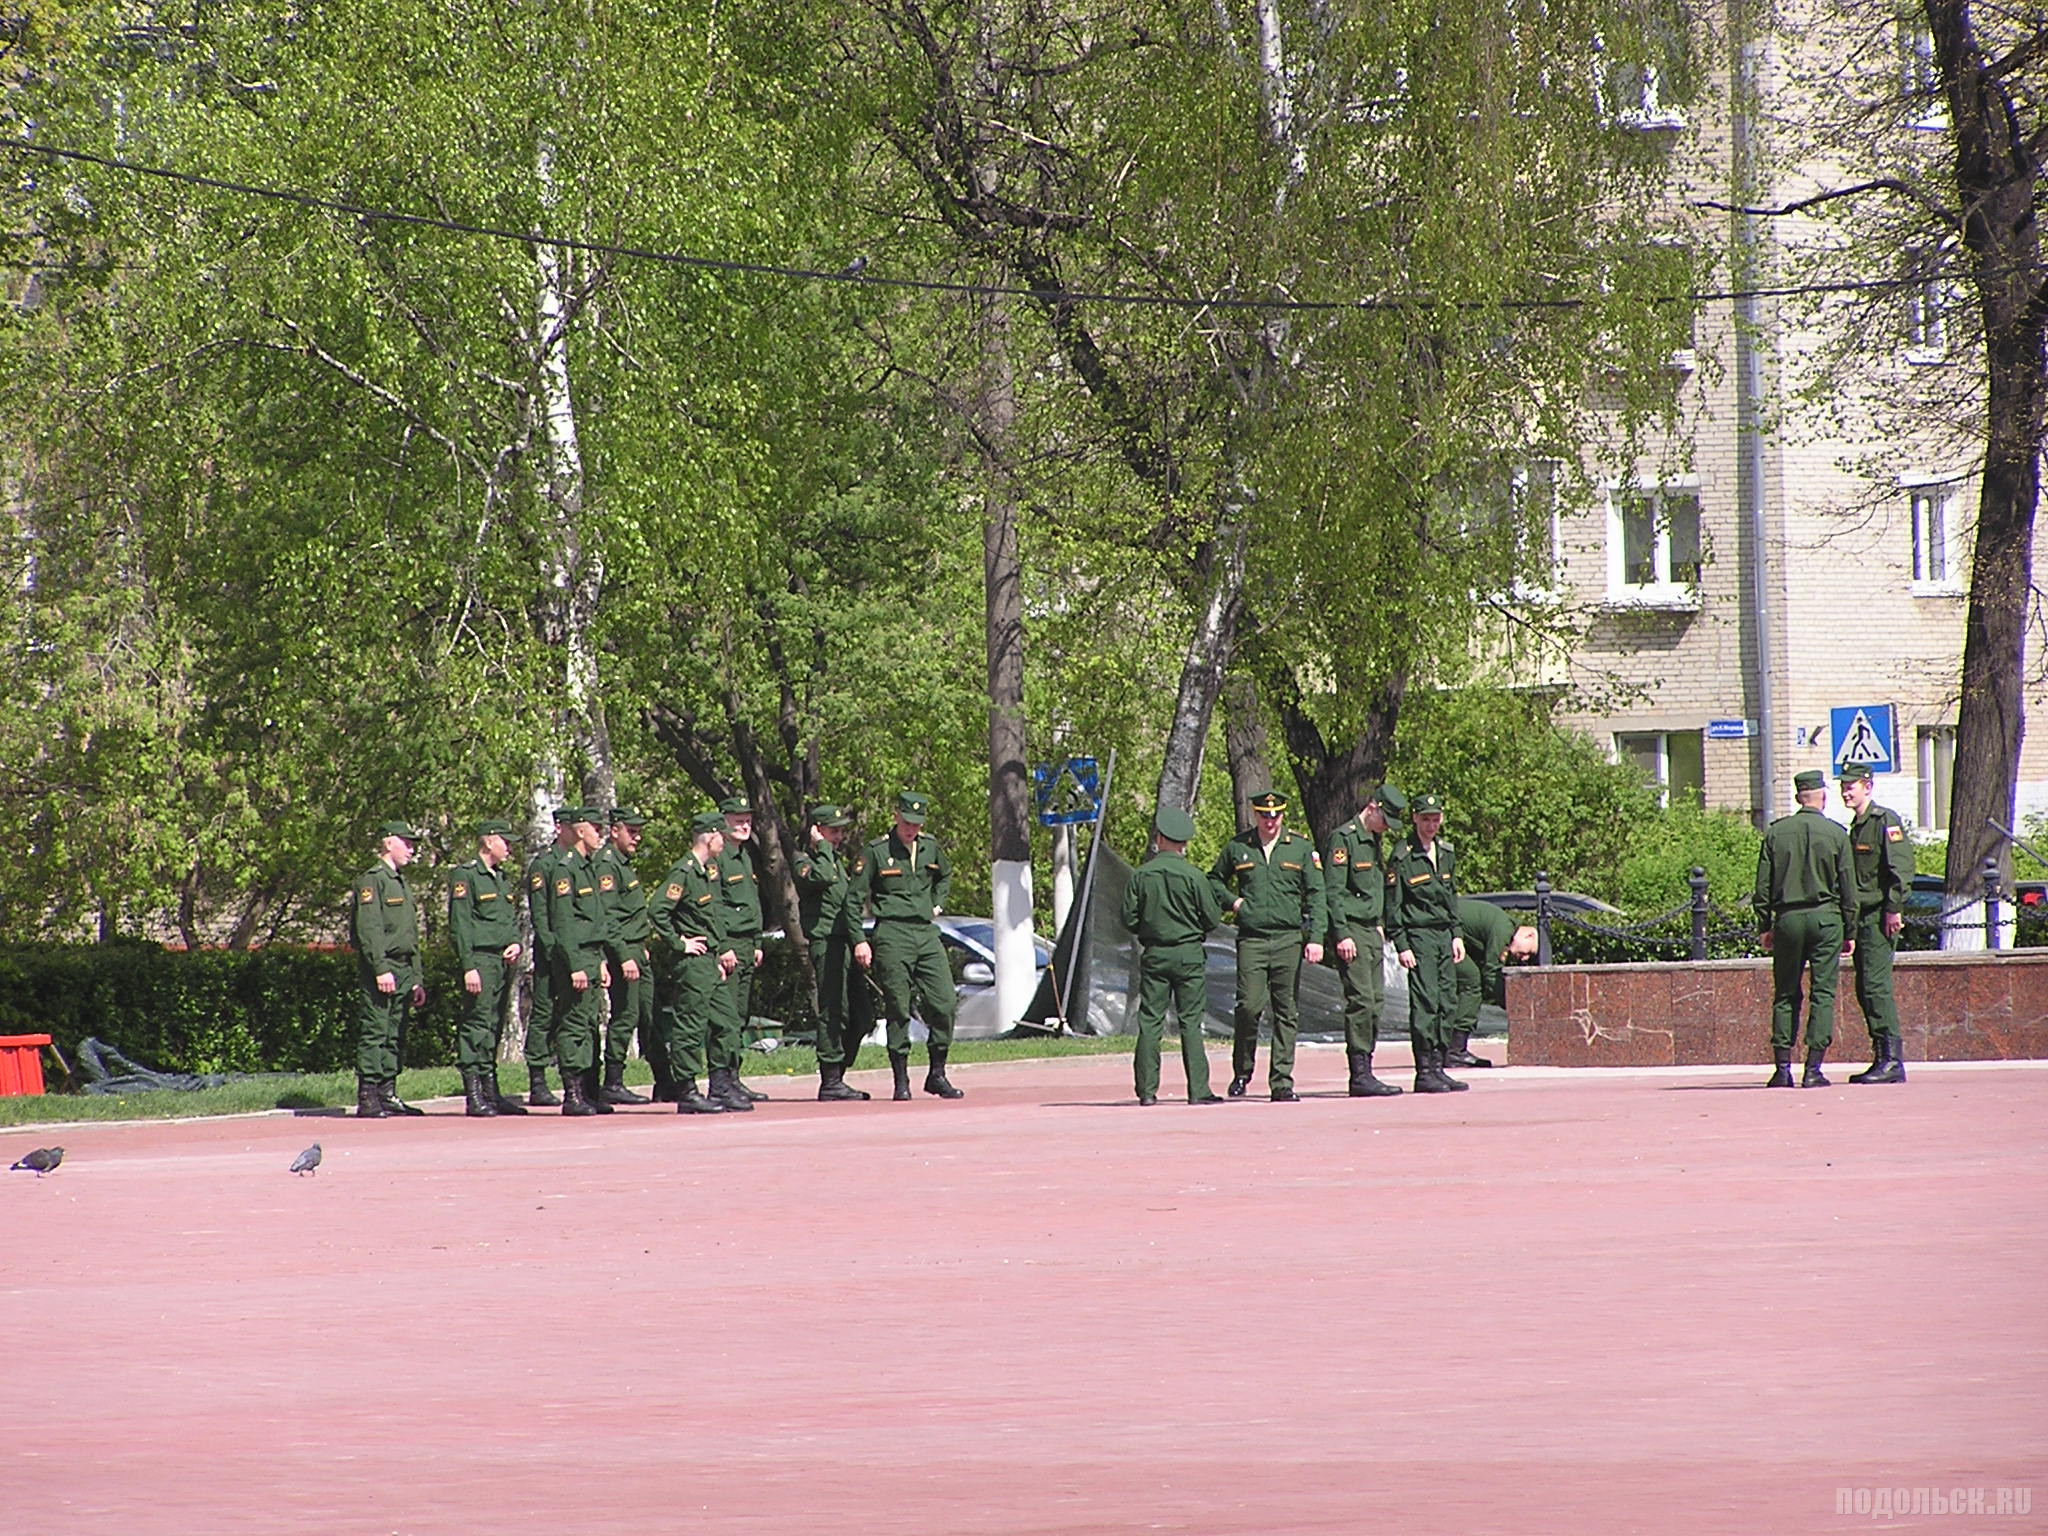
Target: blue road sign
{"type": "Point", "coordinates": [1864, 733]}
{"type": "Point", "coordinates": [1730, 730]}
{"type": "Point", "coordinates": [1068, 793]}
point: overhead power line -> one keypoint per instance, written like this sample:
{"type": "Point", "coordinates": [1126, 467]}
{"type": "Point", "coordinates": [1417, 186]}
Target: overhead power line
{"type": "Point", "coordinates": [859, 272]}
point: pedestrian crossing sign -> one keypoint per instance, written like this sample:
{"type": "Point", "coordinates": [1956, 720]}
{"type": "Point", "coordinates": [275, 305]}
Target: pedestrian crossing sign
{"type": "Point", "coordinates": [1864, 733]}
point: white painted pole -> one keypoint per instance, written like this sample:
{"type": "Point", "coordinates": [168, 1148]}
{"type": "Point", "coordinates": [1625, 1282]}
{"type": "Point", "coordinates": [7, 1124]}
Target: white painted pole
{"type": "Point", "coordinates": [1062, 875]}
{"type": "Point", "coordinates": [1016, 955]}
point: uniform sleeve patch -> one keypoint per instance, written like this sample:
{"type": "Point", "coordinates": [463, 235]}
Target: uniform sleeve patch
{"type": "Point", "coordinates": [674, 890]}
{"type": "Point", "coordinates": [604, 882]}
{"type": "Point", "coordinates": [368, 895]}
{"type": "Point", "coordinates": [562, 886]}
{"type": "Point", "coordinates": [1894, 834]}
{"type": "Point", "coordinates": [537, 881]}
{"type": "Point", "coordinates": [1338, 856]}
{"type": "Point", "coordinates": [461, 889]}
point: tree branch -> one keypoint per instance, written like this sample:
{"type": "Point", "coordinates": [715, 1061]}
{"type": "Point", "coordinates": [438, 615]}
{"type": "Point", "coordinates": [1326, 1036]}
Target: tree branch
{"type": "Point", "coordinates": [1903, 189]}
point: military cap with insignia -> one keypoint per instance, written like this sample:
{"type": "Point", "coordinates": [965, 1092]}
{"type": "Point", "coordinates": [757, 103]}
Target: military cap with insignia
{"type": "Point", "coordinates": [1856, 772]}
{"type": "Point", "coordinates": [1175, 826]}
{"type": "Point", "coordinates": [913, 807]}
{"type": "Point", "coordinates": [496, 828]}
{"type": "Point", "coordinates": [1390, 800]}
{"type": "Point", "coordinates": [707, 821]}
{"type": "Point", "coordinates": [626, 816]}
{"type": "Point", "coordinates": [575, 813]}
{"type": "Point", "coordinates": [830, 816]}
{"type": "Point", "coordinates": [1426, 805]}
{"type": "Point", "coordinates": [1809, 778]}
{"type": "Point", "coordinates": [736, 805]}
{"type": "Point", "coordinates": [1269, 801]}
{"type": "Point", "coordinates": [404, 829]}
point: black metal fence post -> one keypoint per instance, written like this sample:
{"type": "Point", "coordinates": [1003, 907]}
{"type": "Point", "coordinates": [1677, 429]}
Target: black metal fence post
{"type": "Point", "coordinates": [1543, 917]}
{"type": "Point", "coordinates": [1990, 901]}
{"type": "Point", "coordinates": [1699, 912]}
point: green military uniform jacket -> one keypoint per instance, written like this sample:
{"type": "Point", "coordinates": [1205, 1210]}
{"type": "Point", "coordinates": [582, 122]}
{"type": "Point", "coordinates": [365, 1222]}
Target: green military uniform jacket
{"type": "Point", "coordinates": [1804, 862]}
{"type": "Point", "coordinates": [628, 924]}
{"type": "Point", "coordinates": [576, 915]}
{"type": "Point", "coordinates": [1420, 895]}
{"type": "Point", "coordinates": [1280, 893]}
{"type": "Point", "coordinates": [483, 910]}
{"type": "Point", "coordinates": [540, 879]}
{"type": "Point", "coordinates": [689, 905]}
{"type": "Point", "coordinates": [1169, 903]}
{"type": "Point", "coordinates": [1882, 860]}
{"type": "Point", "coordinates": [1355, 880]}
{"type": "Point", "coordinates": [384, 925]}
{"type": "Point", "coordinates": [825, 902]}
{"type": "Point", "coordinates": [1488, 931]}
{"type": "Point", "coordinates": [901, 882]}
{"type": "Point", "coordinates": [742, 896]}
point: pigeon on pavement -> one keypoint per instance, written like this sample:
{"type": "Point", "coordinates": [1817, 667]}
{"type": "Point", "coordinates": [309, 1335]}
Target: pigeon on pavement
{"type": "Point", "coordinates": [41, 1161]}
{"type": "Point", "coordinates": [307, 1160]}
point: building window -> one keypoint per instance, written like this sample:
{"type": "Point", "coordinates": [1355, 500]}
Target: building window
{"type": "Point", "coordinates": [1653, 547]}
{"type": "Point", "coordinates": [1933, 516]}
{"type": "Point", "coordinates": [1929, 299]}
{"type": "Point", "coordinates": [1937, 765]}
{"type": "Point", "coordinates": [1635, 74]}
{"type": "Point", "coordinates": [1672, 760]}
{"type": "Point", "coordinates": [1920, 76]}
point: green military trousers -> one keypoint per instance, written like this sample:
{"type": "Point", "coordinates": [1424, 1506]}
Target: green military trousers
{"type": "Point", "coordinates": [1873, 959]}
{"type": "Point", "coordinates": [1471, 993]}
{"type": "Point", "coordinates": [1365, 989]}
{"type": "Point", "coordinates": [632, 1011]}
{"type": "Point", "coordinates": [541, 1011]}
{"type": "Point", "coordinates": [684, 1017]}
{"type": "Point", "coordinates": [845, 1009]}
{"type": "Point", "coordinates": [380, 1018]}
{"type": "Point", "coordinates": [1268, 972]}
{"type": "Point", "coordinates": [1172, 973]}
{"type": "Point", "coordinates": [578, 1019]}
{"type": "Point", "coordinates": [483, 1013]}
{"type": "Point", "coordinates": [731, 1005]}
{"type": "Point", "coordinates": [1805, 936]}
{"type": "Point", "coordinates": [911, 969]}
{"type": "Point", "coordinates": [1432, 987]}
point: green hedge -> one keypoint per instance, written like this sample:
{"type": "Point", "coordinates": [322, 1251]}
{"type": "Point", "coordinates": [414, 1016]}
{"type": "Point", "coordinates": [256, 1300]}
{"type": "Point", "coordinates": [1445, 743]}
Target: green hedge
{"type": "Point", "coordinates": [276, 1009]}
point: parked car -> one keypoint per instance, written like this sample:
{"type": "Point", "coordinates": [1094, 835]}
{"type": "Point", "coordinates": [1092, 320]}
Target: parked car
{"type": "Point", "coordinates": [970, 950]}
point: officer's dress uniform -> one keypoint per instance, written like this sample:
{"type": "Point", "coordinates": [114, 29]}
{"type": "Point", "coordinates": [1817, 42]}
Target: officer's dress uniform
{"type": "Point", "coordinates": [1171, 906]}
{"type": "Point", "coordinates": [1282, 891]}
{"type": "Point", "coordinates": [1806, 900]}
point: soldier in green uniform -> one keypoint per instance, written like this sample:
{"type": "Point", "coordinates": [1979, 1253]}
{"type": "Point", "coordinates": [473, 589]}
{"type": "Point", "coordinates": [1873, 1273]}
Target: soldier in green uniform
{"type": "Point", "coordinates": [1355, 879]}
{"type": "Point", "coordinates": [905, 879]}
{"type": "Point", "coordinates": [1273, 880]}
{"type": "Point", "coordinates": [483, 925]}
{"type": "Point", "coordinates": [741, 878]}
{"type": "Point", "coordinates": [1493, 941]}
{"type": "Point", "coordinates": [689, 923]}
{"type": "Point", "coordinates": [1806, 913]}
{"type": "Point", "coordinates": [628, 930]}
{"type": "Point", "coordinates": [576, 918]}
{"type": "Point", "coordinates": [1883, 862]}
{"type": "Point", "coordinates": [1171, 906]}
{"type": "Point", "coordinates": [1422, 921]}
{"type": "Point", "coordinates": [831, 922]}
{"type": "Point", "coordinates": [543, 1006]}
{"type": "Point", "coordinates": [384, 927]}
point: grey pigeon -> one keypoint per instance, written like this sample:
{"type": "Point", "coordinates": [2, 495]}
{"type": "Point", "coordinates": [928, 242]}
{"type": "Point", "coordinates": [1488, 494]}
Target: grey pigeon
{"type": "Point", "coordinates": [42, 1160]}
{"type": "Point", "coordinates": [307, 1160]}
{"type": "Point", "coordinates": [855, 267]}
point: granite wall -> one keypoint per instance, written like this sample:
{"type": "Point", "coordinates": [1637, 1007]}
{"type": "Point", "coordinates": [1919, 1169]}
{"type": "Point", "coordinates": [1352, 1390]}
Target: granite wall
{"type": "Point", "coordinates": [1952, 1007]}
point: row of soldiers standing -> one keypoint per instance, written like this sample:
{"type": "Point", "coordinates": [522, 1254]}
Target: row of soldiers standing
{"type": "Point", "coordinates": [677, 969]}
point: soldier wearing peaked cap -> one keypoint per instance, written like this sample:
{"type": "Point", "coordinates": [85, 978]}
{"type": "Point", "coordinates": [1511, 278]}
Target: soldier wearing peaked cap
{"type": "Point", "coordinates": [905, 878]}
{"type": "Point", "coordinates": [1273, 880]}
{"type": "Point", "coordinates": [1882, 860]}
{"type": "Point", "coordinates": [830, 915]}
{"type": "Point", "coordinates": [740, 878]}
{"type": "Point", "coordinates": [689, 919]}
{"type": "Point", "coordinates": [544, 1010]}
{"type": "Point", "coordinates": [629, 932]}
{"type": "Point", "coordinates": [483, 925]}
{"type": "Point", "coordinates": [1422, 921]}
{"type": "Point", "coordinates": [1806, 911]}
{"type": "Point", "coordinates": [1171, 906]}
{"type": "Point", "coordinates": [385, 930]}
{"type": "Point", "coordinates": [576, 917]}
{"type": "Point", "coordinates": [1354, 872]}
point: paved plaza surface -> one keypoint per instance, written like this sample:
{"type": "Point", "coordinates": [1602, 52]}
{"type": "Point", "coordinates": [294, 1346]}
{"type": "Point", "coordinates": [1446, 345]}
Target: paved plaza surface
{"type": "Point", "coordinates": [1585, 1302]}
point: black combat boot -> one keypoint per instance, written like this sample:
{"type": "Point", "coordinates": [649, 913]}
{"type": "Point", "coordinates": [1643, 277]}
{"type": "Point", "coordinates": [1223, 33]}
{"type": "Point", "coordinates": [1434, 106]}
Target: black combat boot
{"type": "Point", "coordinates": [1458, 1054]}
{"type": "Point", "coordinates": [1363, 1084]}
{"type": "Point", "coordinates": [369, 1102]}
{"type": "Point", "coordinates": [690, 1102]}
{"type": "Point", "coordinates": [593, 1095]}
{"type": "Point", "coordinates": [1887, 1065]}
{"type": "Point", "coordinates": [935, 1075]}
{"type": "Point", "coordinates": [616, 1091]}
{"type": "Point", "coordinates": [575, 1102]}
{"type": "Point", "coordinates": [393, 1104]}
{"type": "Point", "coordinates": [538, 1093]}
{"type": "Point", "coordinates": [505, 1104]}
{"type": "Point", "coordinates": [1811, 1077]}
{"type": "Point", "coordinates": [1782, 1077]}
{"type": "Point", "coordinates": [1238, 1083]}
{"type": "Point", "coordinates": [899, 1068]}
{"type": "Point", "coordinates": [726, 1091]}
{"type": "Point", "coordinates": [474, 1101]}
{"type": "Point", "coordinates": [832, 1086]}
{"type": "Point", "coordinates": [752, 1095]}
